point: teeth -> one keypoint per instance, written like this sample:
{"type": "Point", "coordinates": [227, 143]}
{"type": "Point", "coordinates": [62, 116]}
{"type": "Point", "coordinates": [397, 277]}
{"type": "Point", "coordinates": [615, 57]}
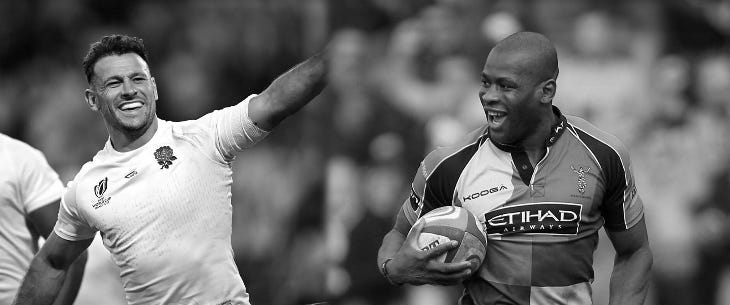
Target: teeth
{"type": "Point", "coordinates": [495, 114]}
{"type": "Point", "coordinates": [132, 105]}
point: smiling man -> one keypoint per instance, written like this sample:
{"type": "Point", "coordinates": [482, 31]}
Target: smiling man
{"type": "Point", "coordinates": [159, 192]}
{"type": "Point", "coordinates": [541, 183]}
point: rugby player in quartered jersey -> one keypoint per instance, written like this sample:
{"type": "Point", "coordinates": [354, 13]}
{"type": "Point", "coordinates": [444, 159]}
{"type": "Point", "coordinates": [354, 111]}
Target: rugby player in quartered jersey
{"type": "Point", "coordinates": [542, 222]}
{"type": "Point", "coordinates": [541, 183]}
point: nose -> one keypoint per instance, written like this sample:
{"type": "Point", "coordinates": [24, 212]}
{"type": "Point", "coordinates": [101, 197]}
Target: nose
{"type": "Point", "coordinates": [489, 94]}
{"type": "Point", "coordinates": [128, 89]}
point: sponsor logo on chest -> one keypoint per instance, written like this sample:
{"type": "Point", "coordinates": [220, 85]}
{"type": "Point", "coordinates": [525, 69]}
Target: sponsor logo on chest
{"type": "Point", "coordinates": [553, 218]}
{"type": "Point", "coordinates": [484, 192]}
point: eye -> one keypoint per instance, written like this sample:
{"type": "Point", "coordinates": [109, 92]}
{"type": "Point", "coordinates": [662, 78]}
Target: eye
{"type": "Point", "coordinates": [113, 84]}
{"type": "Point", "coordinates": [506, 86]}
{"type": "Point", "coordinates": [139, 79]}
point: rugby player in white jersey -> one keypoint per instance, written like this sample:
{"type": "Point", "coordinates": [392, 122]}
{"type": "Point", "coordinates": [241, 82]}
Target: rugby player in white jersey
{"type": "Point", "coordinates": [30, 192]}
{"type": "Point", "coordinates": [159, 192]}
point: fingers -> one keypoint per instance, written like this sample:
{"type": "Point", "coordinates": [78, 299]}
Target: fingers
{"type": "Point", "coordinates": [450, 268]}
{"type": "Point", "coordinates": [441, 249]}
{"type": "Point", "coordinates": [452, 273]}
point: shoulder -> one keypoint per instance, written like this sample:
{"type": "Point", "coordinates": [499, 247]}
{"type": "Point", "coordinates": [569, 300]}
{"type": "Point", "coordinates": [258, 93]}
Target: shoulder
{"type": "Point", "coordinates": [609, 151]}
{"type": "Point", "coordinates": [22, 158]}
{"type": "Point", "coordinates": [19, 150]}
{"type": "Point", "coordinates": [455, 155]}
{"type": "Point", "coordinates": [69, 194]}
{"type": "Point", "coordinates": [196, 128]}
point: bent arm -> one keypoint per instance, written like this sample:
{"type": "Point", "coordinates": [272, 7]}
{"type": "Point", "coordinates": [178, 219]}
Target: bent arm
{"type": "Point", "coordinates": [409, 265]}
{"type": "Point", "coordinates": [43, 219]}
{"type": "Point", "coordinates": [48, 270]}
{"type": "Point", "coordinates": [632, 265]}
{"type": "Point", "coordinates": [391, 243]}
{"type": "Point", "coordinates": [290, 92]}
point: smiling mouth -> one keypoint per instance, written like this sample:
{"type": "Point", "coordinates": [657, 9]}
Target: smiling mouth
{"type": "Point", "coordinates": [130, 106]}
{"type": "Point", "coordinates": [496, 118]}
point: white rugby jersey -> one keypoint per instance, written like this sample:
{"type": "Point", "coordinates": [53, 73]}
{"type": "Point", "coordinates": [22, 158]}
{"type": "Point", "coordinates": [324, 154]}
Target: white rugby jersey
{"type": "Point", "coordinates": [27, 183]}
{"type": "Point", "coordinates": [164, 209]}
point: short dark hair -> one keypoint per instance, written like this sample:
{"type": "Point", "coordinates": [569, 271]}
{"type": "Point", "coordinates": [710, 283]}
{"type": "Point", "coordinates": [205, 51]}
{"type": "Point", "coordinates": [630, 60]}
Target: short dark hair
{"type": "Point", "coordinates": [112, 45]}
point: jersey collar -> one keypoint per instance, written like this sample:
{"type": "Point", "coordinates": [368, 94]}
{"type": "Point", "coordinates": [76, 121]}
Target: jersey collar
{"type": "Point", "coordinates": [555, 132]}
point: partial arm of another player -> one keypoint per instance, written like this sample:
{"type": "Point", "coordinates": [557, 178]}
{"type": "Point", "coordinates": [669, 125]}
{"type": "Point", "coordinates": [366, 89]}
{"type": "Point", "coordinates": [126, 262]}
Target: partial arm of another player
{"type": "Point", "coordinates": [409, 265]}
{"type": "Point", "coordinates": [48, 270]}
{"type": "Point", "coordinates": [632, 265]}
{"type": "Point", "coordinates": [43, 219]}
{"type": "Point", "coordinates": [290, 92]}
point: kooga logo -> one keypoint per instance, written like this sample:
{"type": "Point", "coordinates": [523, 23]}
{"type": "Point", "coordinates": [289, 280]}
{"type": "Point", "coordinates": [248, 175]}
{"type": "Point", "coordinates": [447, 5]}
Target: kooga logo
{"type": "Point", "coordinates": [535, 218]}
{"type": "Point", "coordinates": [485, 192]}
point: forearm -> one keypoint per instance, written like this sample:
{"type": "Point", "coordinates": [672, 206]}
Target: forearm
{"type": "Point", "coordinates": [391, 243]}
{"type": "Point", "coordinates": [292, 90]}
{"type": "Point", "coordinates": [41, 284]}
{"type": "Point", "coordinates": [72, 283]}
{"type": "Point", "coordinates": [630, 278]}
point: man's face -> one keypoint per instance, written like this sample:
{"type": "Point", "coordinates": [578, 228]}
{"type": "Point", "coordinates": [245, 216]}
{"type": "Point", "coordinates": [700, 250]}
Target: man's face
{"type": "Point", "coordinates": [124, 93]}
{"type": "Point", "coordinates": [508, 96]}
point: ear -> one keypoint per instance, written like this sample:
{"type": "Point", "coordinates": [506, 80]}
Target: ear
{"type": "Point", "coordinates": [91, 100]}
{"type": "Point", "coordinates": [547, 93]}
{"type": "Point", "coordinates": [154, 87]}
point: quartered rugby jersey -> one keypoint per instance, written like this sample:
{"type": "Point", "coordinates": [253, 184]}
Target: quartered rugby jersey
{"type": "Point", "coordinates": [542, 223]}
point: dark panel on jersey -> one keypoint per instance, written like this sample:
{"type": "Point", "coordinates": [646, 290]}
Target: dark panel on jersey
{"type": "Point", "coordinates": [613, 171]}
{"type": "Point", "coordinates": [563, 264]}
{"type": "Point", "coordinates": [440, 185]}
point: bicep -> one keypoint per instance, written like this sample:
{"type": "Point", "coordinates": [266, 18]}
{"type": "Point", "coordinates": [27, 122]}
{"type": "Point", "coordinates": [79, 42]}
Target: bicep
{"type": "Point", "coordinates": [627, 242]}
{"type": "Point", "coordinates": [44, 218]}
{"type": "Point", "coordinates": [61, 253]}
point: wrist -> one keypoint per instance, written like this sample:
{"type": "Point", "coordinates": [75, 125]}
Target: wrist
{"type": "Point", "coordinates": [386, 272]}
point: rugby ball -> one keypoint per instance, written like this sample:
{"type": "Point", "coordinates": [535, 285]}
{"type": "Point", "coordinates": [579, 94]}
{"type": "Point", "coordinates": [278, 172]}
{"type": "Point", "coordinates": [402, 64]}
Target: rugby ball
{"type": "Point", "coordinates": [452, 223]}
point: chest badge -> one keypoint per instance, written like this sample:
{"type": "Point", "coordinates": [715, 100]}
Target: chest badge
{"type": "Point", "coordinates": [581, 172]}
{"type": "Point", "coordinates": [99, 190]}
{"type": "Point", "coordinates": [164, 156]}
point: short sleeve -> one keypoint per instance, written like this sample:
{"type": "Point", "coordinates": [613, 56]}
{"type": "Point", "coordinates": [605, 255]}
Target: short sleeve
{"type": "Point", "coordinates": [426, 193]}
{"type": "Point", "coordinates": [39, 183]}
{"type": "Point", "coordinates": [233, 129]}
{"type": "Point", "coordinates": [622, 207]}
{"type": "Point", "coordinates": [70, 225]}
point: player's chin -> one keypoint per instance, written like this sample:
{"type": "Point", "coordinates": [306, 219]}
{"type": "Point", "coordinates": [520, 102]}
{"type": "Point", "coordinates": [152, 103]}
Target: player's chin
{"type": "Point", "coordinates": [134, 124]}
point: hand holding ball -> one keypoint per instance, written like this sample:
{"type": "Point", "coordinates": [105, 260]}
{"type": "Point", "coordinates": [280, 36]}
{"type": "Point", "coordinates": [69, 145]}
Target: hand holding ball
{"type": "Point", "coordinates": [452, 223]}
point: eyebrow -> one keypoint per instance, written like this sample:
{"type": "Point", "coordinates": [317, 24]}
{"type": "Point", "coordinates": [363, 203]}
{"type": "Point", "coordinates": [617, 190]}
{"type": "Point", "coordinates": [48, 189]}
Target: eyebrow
{"type": "Point", "coordinates": [118, 76]}
{"type": "Point", "coordinates": [499, 79]}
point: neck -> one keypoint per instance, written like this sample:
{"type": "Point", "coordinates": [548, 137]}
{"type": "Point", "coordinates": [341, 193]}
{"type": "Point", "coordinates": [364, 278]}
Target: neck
{"type": "Point", "coordinates": [124, 141]}
{"type": "Point", "coordinates": [535, 145]}
{"type": "Point", "coordinates": [536, 141]}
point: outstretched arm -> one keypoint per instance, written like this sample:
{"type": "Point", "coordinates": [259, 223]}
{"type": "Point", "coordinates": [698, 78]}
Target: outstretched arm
{"type": "Point", "coordinates": [43, 219]}
{"type": "Point", "coordinates": [48, 270]}
{"type": "Point", "coordinates": [290, 91]}
{"type": "Point", "coordinates": [631, 268]}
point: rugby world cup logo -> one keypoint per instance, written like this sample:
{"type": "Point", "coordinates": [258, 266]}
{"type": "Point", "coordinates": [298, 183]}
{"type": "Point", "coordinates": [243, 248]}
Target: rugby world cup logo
{"type": "Point", "coordinates": [100, 188]}
{"type": "Point", "coordinates": [581, 172]}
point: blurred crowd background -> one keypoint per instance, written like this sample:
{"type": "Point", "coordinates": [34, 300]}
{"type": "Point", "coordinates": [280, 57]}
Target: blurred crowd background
{"type": "Point", "coordinates": [313, 201]}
